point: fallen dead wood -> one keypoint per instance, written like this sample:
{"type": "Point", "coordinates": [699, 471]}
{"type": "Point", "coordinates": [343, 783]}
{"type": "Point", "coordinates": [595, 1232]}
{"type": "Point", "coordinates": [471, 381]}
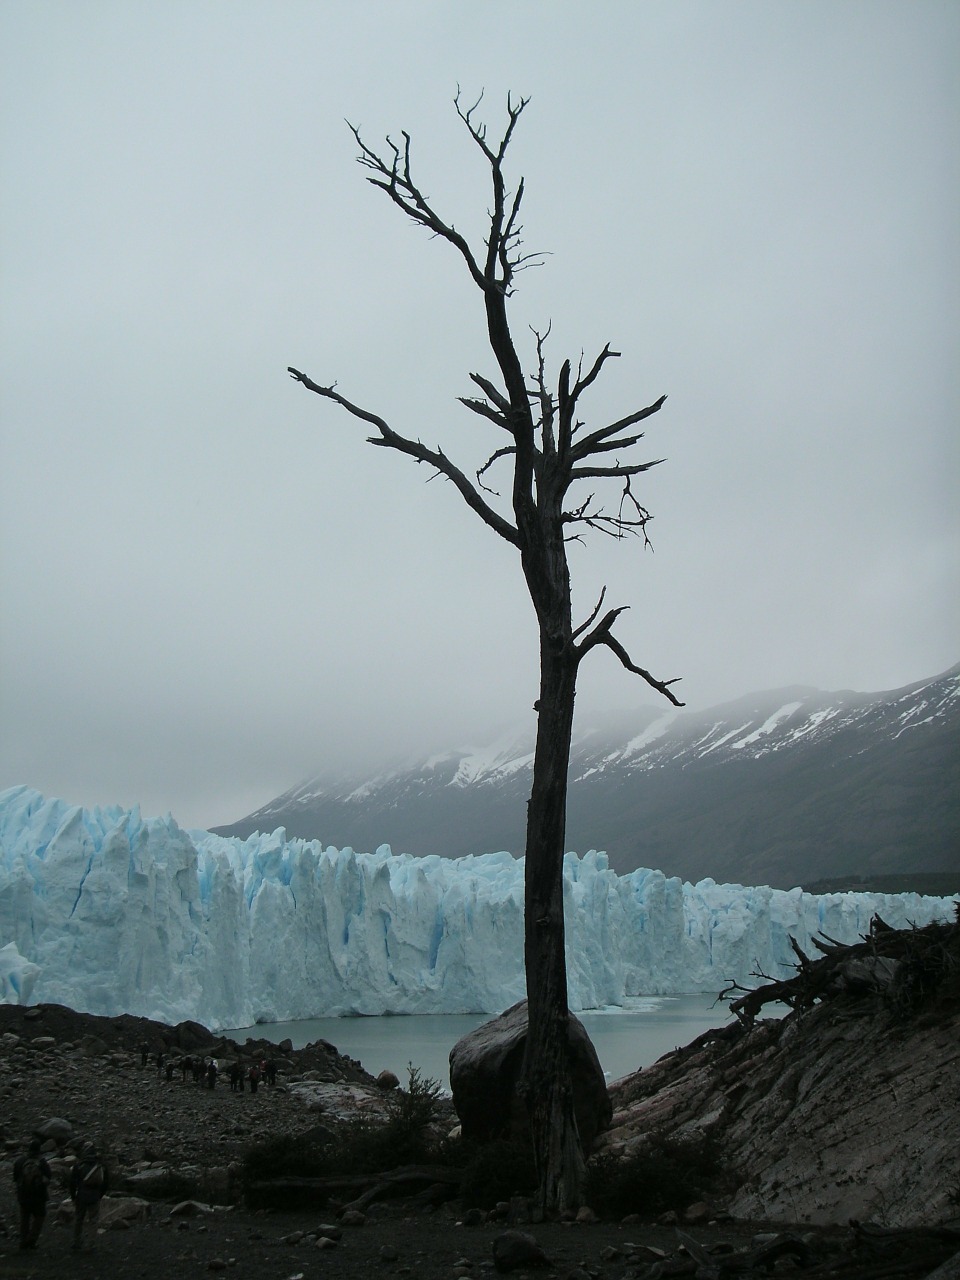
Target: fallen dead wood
{"type": "Point", "coordinates": [359, 1189]}
{"type": "Point", "coordinates": [907, 967]}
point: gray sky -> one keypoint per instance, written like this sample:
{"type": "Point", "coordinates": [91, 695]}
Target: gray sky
{"type": "Point", "coordinates": [212, 586]}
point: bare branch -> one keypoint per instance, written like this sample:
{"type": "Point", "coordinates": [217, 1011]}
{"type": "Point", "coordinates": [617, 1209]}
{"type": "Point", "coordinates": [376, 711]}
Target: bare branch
{"type": "Point", "coordinates": [543, 395]}
{"type": "Point", "coordinates": [588, 444]}
{"type": "Point", "coordinates": [485, 410]}
{"type": "Point", "coordinates": [601, 634]}
{"type": "Point", "coordinates": [391, 439]}
{"type": "Point", "coordinates": [396, 179]}
{"type": "Point", "coordinates": [596, 609]}
{"type": "Point", "coordinates": [491, 392]}
{"type": "Point", "coordinates": [623, 469]}
{"type": "Point", "coordinates": [500, 453]}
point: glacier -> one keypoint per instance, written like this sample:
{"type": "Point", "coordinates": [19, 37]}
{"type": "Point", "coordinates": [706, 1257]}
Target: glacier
{"type": "Point", "coordinates": [109, 912]}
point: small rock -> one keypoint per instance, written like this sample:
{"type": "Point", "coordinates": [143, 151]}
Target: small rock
{"type": "Point", "coordinates": [698, 1212]}
{"type": "Point", "coordinates": [609, 1253]}
{"type": "Point", "coordinates": [330, 1230]}
{"type": "Point", "coordinates": [388, 1253]}
{"type": "Point", "coordinates": [515, 1249]}
{"type": "Point", "coordinates": [388, 1080]}
{"type": "Point", "coordinates": [56, 1128]}
{"type": "Point", "coordinates": [585, 1214]}
{"type": "Point", "coordinates": [474, 1218]}
{"type": "Point", "coordinates": [189, 1209]}
{"type": "Point", "coordinates": [324, 1242]}
{"type": "Point", "coordinates": [353, 1218]}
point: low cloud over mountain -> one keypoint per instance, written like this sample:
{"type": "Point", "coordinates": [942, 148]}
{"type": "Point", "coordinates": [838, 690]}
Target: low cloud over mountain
{"type": "Point", "coordinates": [786, 787]}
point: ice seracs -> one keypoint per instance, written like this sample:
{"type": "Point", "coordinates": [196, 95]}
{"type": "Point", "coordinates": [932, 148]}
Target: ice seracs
{"type": "Point", "coordinates": [109, 912]}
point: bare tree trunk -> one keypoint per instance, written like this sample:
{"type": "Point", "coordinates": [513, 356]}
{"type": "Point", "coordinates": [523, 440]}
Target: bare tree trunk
{"type": "Point", "coordinates": [552, 452]}
{"type": "Point", "coordinates": [546, 1074]}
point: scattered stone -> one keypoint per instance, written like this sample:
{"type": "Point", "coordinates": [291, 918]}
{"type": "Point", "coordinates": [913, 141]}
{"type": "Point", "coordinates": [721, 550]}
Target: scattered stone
{"type": "Point", "coordinates": [57, 1129]}
{"type": "Point", "coordinates": [119, 1212]}
{"type": "Point", "coordinates": [515, 1249]}
{"type": "Point", "coordinates": [388, 1253]}
{"type": "Point", "coordinates": [353, 1218]}
{"type": "Point", "coordinates": [609, 1253]}
{"type": "Point", "coordinates": [698, 1212]}
{"type": "Point", "coordinates": [189, 1209]}
{"type": "Point", "coordinates": [585, 1215]}
{"type": "Point", "coordinates": [474, 1218]}
{"type": "Point", "coordinates": [388, 1080]}
{"type": "Point", "coordinates": [324, 1242]}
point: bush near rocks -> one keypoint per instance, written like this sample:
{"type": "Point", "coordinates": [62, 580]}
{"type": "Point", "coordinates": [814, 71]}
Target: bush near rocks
{"type": "Point", "coordinates": [664, 1173]}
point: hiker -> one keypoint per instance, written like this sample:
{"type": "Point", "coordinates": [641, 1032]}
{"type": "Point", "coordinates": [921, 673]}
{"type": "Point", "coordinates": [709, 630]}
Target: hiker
{"type": "Point", "coordinates": [186, 1065]}
{"type": "Point", "coordinates": [88, 1183]}
{"type": "Point", "coordinates": [31, 1176]}
{"type": "Point", "coordinates": [234, 1074]}
{"type": "Point", "coordinates": [144, 1053]}
{"type": "Point", "coordinates": [160, 1060]}
{"type": "Point", "coordinates": [254, 1078]}
{"type": "Point", "coordinates": [211, 1073]}
{"type": "Point", "coordinates": [271, 1071]}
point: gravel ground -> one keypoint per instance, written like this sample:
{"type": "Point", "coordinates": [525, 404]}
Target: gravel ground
{"type": "Point", "coordinates": [87, 1071]}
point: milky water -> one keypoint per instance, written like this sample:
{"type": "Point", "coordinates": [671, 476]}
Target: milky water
{"type": "Point", "coordinates": [642, 1031]}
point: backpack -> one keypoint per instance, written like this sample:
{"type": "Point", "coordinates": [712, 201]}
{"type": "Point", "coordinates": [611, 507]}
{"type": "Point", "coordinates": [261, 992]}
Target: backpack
{"type": "Point", "coordinates": [32, 1182]}
{"type": "Point", "coordinates": [93, 1178]}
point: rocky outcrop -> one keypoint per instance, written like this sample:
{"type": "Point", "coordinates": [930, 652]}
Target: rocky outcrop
{"type": "Point", "coordinates": [843, 1110]}
{"type": "Point", "coordinates": [485, 1070]}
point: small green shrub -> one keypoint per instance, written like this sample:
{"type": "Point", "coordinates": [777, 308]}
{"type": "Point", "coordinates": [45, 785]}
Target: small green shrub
{"type": "Point", "coordinates": [494, 1171]}
{"type": "Point", "coordinates": [305, 1156]}
{"type": "Point", "coordinates": [669, 1173]}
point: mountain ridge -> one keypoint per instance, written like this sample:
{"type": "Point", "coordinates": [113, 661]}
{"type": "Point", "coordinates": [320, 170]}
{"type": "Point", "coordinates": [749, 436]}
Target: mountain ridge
{"type": "Point", "coordinates": [775, 787]}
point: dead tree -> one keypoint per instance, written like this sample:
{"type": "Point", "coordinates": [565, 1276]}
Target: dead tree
{"type": "Point", "coordinates": [552, 454]}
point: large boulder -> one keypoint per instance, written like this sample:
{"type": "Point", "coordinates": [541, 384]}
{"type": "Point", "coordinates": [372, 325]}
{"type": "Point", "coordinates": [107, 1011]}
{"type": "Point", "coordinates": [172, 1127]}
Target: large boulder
{"type": "Point", "coordinates": [485, 1068]}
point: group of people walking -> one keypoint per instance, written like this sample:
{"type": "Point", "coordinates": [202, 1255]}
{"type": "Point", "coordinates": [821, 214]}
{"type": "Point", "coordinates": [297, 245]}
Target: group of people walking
{"type": "Point", "coordinates": [31, 1176]}
{"type": "Point", "coordinates": [88, 1180]}
{"type": "Point", "coordinates": [205, 1070]}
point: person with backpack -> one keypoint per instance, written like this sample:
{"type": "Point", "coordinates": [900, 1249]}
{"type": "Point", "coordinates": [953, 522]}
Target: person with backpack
{"type": "Point", "coordinates": [88, 1184]}
{"type": "Point", "coordinates": [31, 1176]}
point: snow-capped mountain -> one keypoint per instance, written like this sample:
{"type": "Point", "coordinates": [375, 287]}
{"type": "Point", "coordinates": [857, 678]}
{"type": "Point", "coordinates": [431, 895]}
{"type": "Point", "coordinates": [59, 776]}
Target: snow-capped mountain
{"type": "Point", "coordinates": [783, 787]}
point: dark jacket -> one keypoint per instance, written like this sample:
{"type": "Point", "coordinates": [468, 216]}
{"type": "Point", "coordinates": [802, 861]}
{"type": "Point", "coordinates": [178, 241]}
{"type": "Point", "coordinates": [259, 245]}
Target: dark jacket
{"type": "Point", "coordinates": [86, 1185]}
{"type": "Point", "coordinates": [31, 1189]}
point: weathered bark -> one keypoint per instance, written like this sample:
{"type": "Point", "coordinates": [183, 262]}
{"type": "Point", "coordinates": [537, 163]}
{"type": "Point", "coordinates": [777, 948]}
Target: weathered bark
{"type": "Point", "coordinates": [546, 1074]}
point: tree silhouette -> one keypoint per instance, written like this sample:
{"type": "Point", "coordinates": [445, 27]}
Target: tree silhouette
{"type": "Point", "coordinates": [552, 453]}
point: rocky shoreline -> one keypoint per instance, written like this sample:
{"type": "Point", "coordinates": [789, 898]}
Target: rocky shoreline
{"type": "Point", "coordinates": [174, 1149]}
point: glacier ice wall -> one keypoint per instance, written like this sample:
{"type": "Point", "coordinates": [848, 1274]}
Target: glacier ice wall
{"type": "Point", "coordinates": [108, 912]}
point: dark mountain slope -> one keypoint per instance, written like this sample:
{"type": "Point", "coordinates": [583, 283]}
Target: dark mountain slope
{"type": "Point", "coordinates": [779, 788]}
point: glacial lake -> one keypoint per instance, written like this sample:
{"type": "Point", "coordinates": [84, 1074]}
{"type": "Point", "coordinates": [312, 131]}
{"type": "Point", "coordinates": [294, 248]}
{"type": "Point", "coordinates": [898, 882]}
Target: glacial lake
{"type": "Point", "coordinates": [625, 1038]}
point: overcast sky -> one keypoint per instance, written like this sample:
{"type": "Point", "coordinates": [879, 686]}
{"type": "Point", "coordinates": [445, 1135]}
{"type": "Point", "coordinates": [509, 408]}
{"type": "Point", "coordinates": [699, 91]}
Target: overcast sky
{"type": "Point", "coordinates": [211, 586]}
